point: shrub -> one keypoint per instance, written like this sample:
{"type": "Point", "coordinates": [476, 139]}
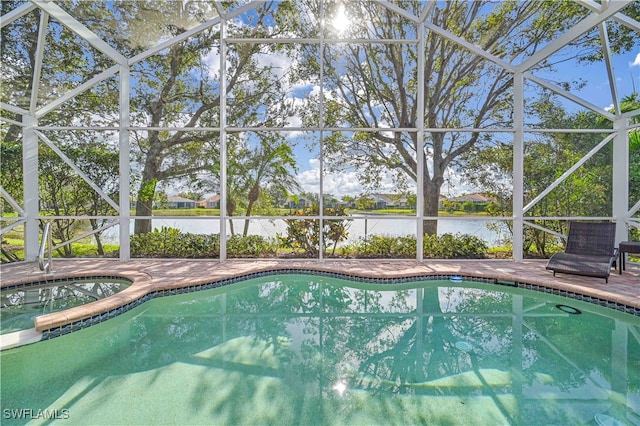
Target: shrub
{"type": "Point", "coordinates": [380, 246]}
{"type": "Point", "coordinates": [447, 246]}
{"type": "Point", "coordinates": [171, 243]}
{"type": "Point", "coordinates": [450, 246]}
{"type": "Point", "coordinates": [251, 246]}
{"type": "Point", "coordinates": [304, 234]}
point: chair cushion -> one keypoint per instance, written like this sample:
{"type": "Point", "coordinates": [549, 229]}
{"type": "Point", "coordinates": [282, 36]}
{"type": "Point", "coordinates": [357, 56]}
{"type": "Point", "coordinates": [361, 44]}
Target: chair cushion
{"type": "Point", "coordinates": [593, 239]}
{"type": "Point", "coordinates": [579, 264]}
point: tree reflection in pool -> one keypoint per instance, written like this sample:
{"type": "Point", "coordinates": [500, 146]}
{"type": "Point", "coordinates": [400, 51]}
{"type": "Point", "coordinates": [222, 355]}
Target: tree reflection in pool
{"type": "Point", "coordinates": [306, 349]}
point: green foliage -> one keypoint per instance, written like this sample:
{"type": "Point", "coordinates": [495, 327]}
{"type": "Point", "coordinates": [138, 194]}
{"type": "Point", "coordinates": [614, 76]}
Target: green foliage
{"type": "Point", "coordinates": [63, 192]}
{"type": "Point", "coordinates": [171, 243]}
{"type": "Point", "coordinates": [251, 246]}
{"type": "Point", "coordinates": [380, 246]}
{"type": "Point", "coordinates": [585, 192]}
{"type": "Point", "coordinates": [11, 176]}
{"type": "Point", "coordinates": [365, 202]}
{"type": "Point", "coordinates": [257, 174]}
{"type": "Point", "coordinates": [461, 89]}
{"type": "Point", "coordinates": [454, 246]}
{"type": "Point", "coordinates": [447, 246]}
{"type": "Point", "coordinates": [468, 206]}
{"type": "Point", "coordinates": [304, 234]}
{"type": "Point", "coordinates": [631, 103]}
{"type": "Point", "coordinates": [335, 230]}
{"type": "Point", "coordinates": [12, 250]}
{"type": "Point", "coordinates": [147, 190]}
{"type": "Point", "coordinates": [448, 206]}
{"type": "Point", "coordinates": [175, 86]}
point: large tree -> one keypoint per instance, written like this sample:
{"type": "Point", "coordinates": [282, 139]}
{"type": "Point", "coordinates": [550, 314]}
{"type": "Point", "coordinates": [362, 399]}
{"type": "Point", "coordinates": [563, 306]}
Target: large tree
{"type": "Point", "coordinates": [67, 61]}
{"type": "Point", "coordinates": [632, 103]}
{"type": "Point", "coordinates": [375, 85]}
{"type": "Point", "coordinates": [64, 193]}
{"type": "Point", "coordinates": [178, 88]}
{"type": "Point", "coordinates": [260, 167]}
{"type": "Point", "coordinates": [586, 192]}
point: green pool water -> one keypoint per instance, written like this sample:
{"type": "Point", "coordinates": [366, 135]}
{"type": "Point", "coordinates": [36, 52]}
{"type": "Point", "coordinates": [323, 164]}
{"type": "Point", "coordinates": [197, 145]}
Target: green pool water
{"type": "Point", "coordinates": [304, 349]}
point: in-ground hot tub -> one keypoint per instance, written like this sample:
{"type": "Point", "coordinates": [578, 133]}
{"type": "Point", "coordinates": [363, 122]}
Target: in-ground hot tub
{"type": "Point", "coordinates": [20, 304]}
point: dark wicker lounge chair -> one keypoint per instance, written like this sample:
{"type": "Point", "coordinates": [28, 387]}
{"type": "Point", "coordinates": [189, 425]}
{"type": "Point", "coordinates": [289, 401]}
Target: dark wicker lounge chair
{"type": "Point", "coordinates": [590, 250]}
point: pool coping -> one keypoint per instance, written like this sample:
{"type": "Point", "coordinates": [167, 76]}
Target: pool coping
{"type": "Point", "coordinates": [154, 278]}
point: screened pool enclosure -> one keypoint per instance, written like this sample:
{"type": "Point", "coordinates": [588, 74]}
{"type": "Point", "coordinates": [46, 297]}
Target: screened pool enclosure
{"type": "Point", "coordinates": [316, 128]}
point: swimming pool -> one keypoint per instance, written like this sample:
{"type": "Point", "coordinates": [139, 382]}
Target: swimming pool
{"type": "Point", "coordinates": [307, 349]}
{"type": "Point", "coordinates": [20, 305]}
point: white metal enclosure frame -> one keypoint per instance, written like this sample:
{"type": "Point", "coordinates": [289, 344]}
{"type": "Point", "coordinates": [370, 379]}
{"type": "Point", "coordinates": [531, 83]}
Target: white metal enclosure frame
{"type": "Point", "coordinates": [29, 213]}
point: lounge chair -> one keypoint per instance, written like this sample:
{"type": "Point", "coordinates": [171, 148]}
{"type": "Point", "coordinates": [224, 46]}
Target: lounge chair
{"type": "Point", "coordinates": [590, 250]}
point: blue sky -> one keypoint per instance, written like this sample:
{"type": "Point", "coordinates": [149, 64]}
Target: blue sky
{"type": "Point", "coordinates": [596, 91]}
{"type": "Point", "coordinates": [594, 75]}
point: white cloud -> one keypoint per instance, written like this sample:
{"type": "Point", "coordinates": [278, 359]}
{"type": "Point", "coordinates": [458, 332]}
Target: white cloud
{"type": "Point", "coordinates": [294, 121]}
{"type": "Point", "coordinates": [212, 61]}
{"type": "Point", "coordinates": [342, 184]}
{"type": "Point", "coordinates": [309, 180]}
{"type": "Point", "coordinates": [346, 183]}
{"type": "Point", "coordinates": [453, 184]}
{"type": "Point", "coordinates": [636, 62]}
{"type": "Point", "coordinates": [338, 184]}
{"type": "Point", "coordinates": [279, 63]}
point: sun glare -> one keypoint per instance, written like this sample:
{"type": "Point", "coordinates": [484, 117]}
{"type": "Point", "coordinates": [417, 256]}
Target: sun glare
{"type": "Point", "coordinates": [340, 21]}
{"type": "Point", "coordinates": [340, 388]}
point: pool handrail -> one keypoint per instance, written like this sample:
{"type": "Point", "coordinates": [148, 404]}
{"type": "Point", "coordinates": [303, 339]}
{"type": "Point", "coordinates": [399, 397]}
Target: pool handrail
{"type": "Point", "coordinates": [45, 244]}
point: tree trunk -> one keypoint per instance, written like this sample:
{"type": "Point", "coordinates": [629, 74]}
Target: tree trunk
{"type": "Point", "coordinates": [143, 208]}
{"type": "Point", "coordinates": [146, 193]}
{"type": "Point", "coordinates": [62, 230]}
{"type": "Point", "coordinates": [254, 193]}
{"type": "Point", "coordinates": [9, 256]}
{"type": "Point", "coordinates": [431, 193]}
{"type": "Point", "coordinates": [440, 336]}
{"type": "Point", "coordinates": [231, 206]}
{"type": "Point", "coordinates": [94, 225]}
{"type": "Point", "coordinates": [245, 231]}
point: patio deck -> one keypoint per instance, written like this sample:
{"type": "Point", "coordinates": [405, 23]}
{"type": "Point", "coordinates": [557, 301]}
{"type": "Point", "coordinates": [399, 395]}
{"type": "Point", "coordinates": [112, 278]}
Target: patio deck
{"type": "Point", "coordinates": [152, 275]}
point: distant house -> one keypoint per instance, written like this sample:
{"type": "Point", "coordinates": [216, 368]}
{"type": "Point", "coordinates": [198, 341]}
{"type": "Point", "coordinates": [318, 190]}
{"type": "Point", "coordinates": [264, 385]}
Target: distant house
{"type": "Point", "coordinates": [177, 202]}
{"type": "Point", "coordinates": [390, 201]}
{"type": "Point", "coordinates": [330, 202]}
{"type": "Point", "coordinates": [212, 202]}
{"type": "Point", "coordinates": [347, 204]}
{"type": "Point", "coordinates": [475, 198]}
{"type": "Point", "coordinates": [299, 203]}
{"type": "Point", "coordinates": [382, 201]}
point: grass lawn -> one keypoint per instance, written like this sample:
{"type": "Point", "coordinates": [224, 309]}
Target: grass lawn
{"type": "Point", "coordinates": [80, 249]}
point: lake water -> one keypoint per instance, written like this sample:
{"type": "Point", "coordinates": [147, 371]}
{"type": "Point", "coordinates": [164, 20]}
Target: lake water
{"type": "Point", "coordinates": [359, 227]}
